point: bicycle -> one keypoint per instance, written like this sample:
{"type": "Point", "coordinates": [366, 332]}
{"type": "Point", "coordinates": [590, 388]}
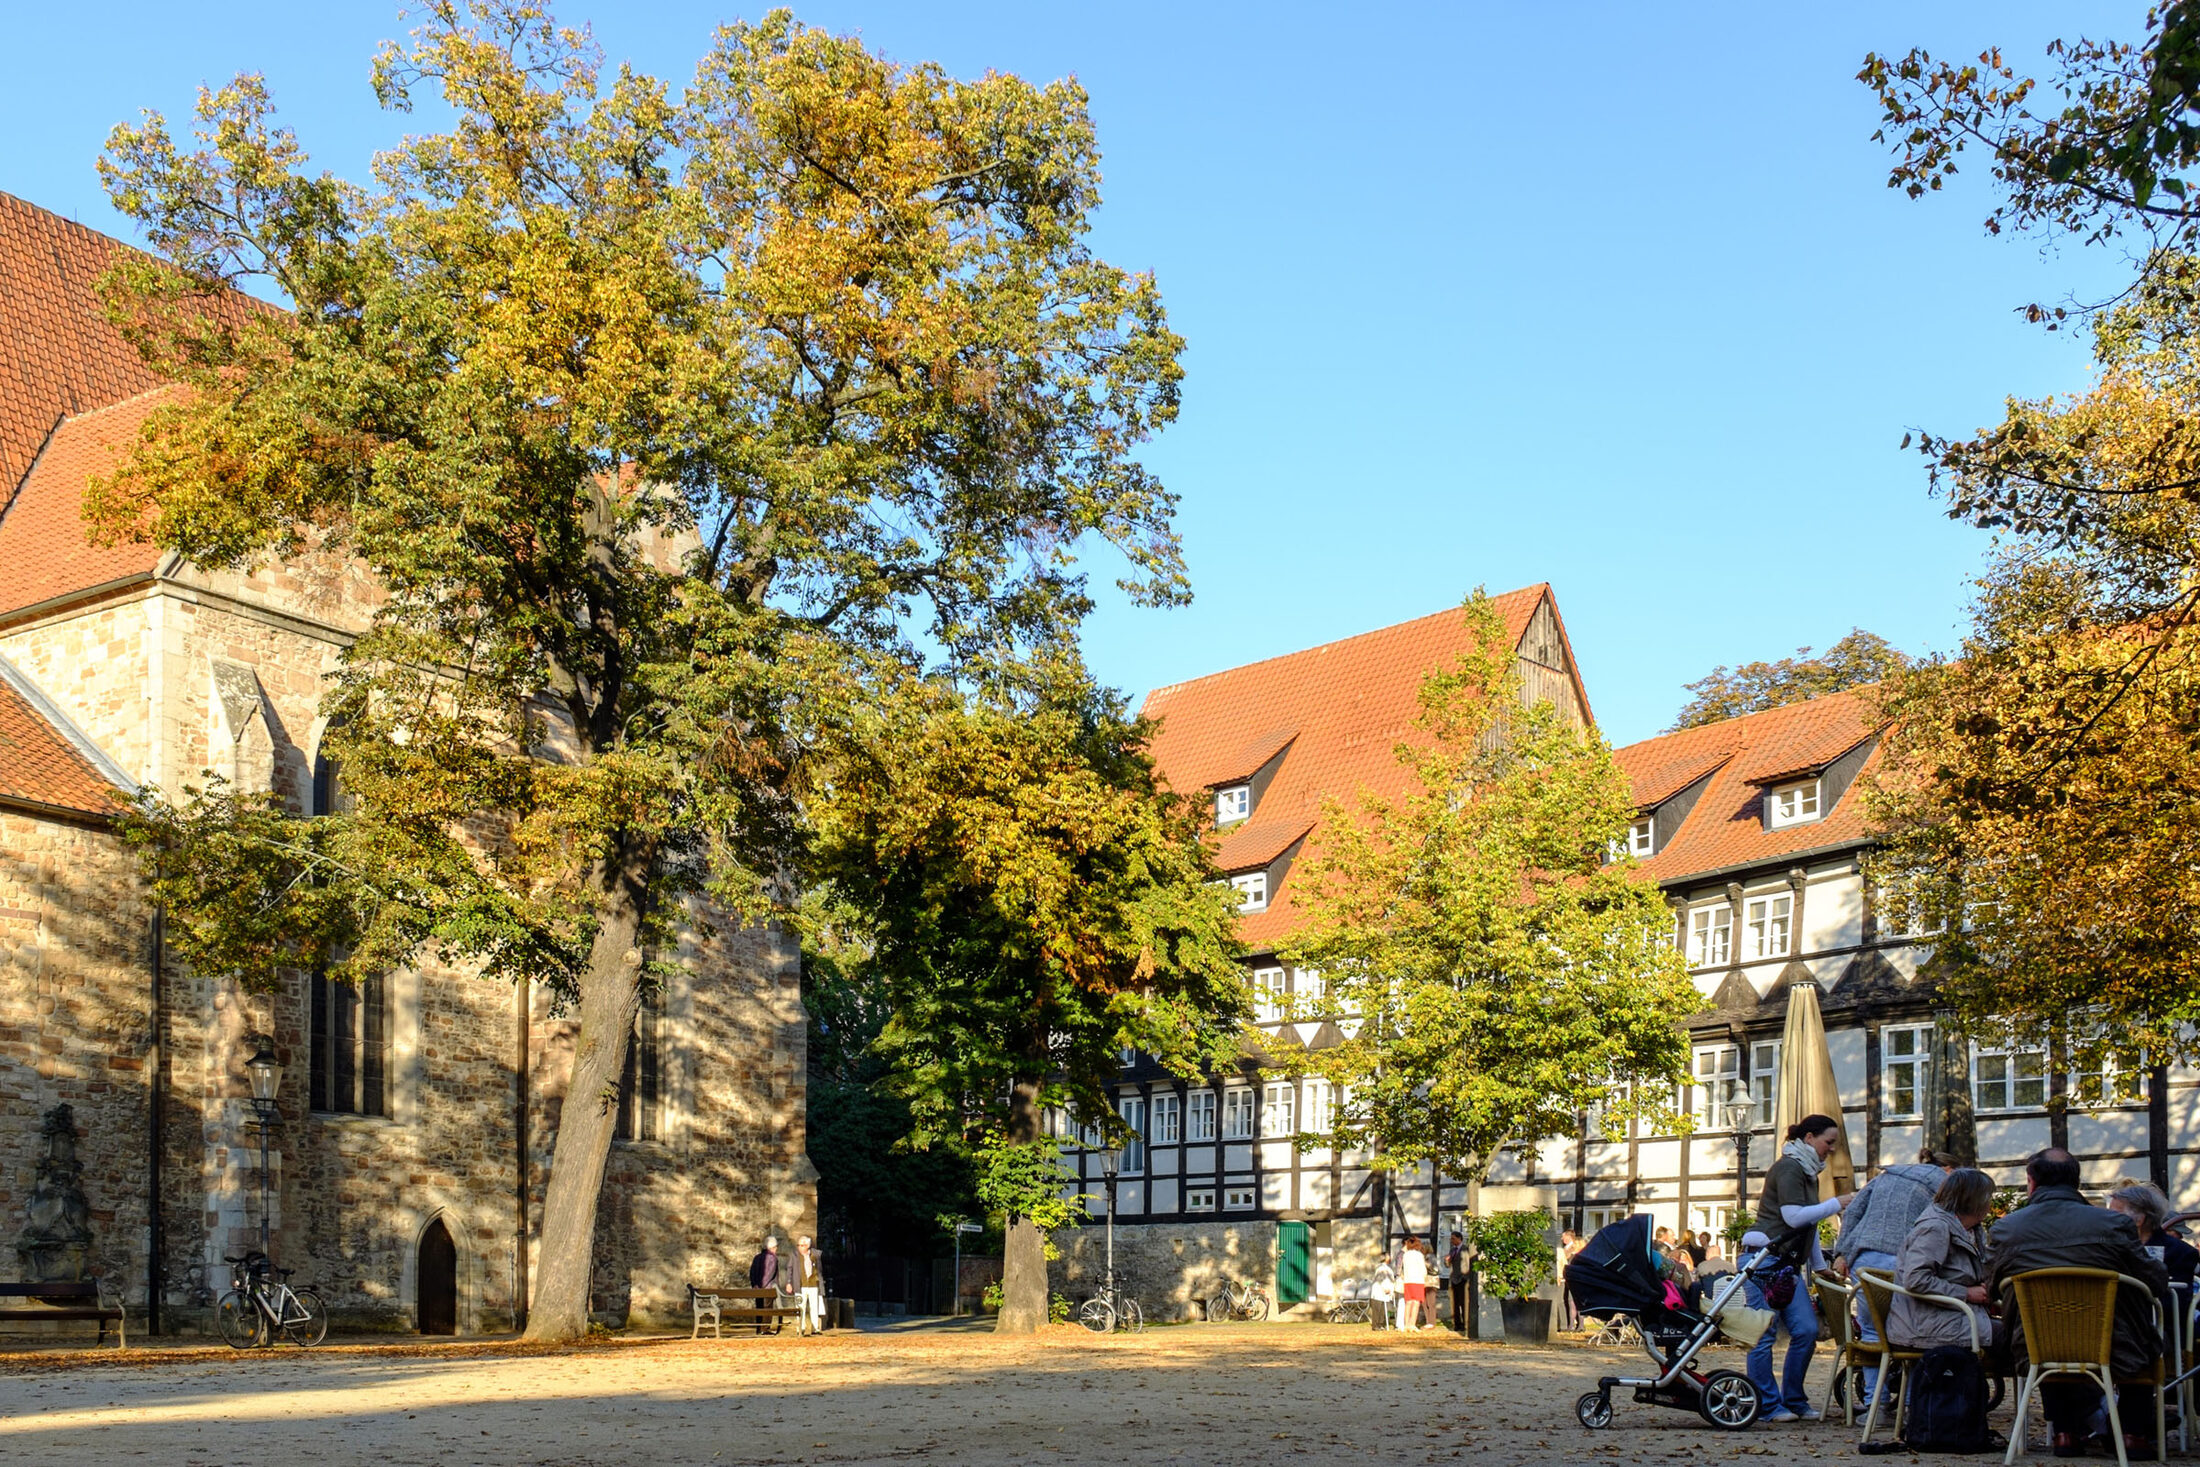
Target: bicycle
{"type": "Point", "coordinates": [1111, 1309]}
{"type": "Point", "coordinates": [257, 1309]}
{"type": "Point", "coordinates": [1238, 1302]}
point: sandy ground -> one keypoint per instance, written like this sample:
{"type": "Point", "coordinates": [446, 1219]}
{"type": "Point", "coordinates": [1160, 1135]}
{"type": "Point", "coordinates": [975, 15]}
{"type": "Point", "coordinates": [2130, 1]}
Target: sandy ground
{"type": "Point", "coordinates": [1195, 1394]}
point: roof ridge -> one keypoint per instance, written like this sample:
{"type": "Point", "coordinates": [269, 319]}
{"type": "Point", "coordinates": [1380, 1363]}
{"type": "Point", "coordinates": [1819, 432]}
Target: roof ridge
{"type": "Point", "coordinates": [1741, 718]}
{"type": "Point", "coordinates": [120, 402]}
{"type": "Point", "coordinates": [1539, 586]}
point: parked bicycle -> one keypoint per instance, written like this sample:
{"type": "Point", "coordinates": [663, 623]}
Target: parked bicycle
{"type": "Point", "coordinates": [1111, 1309]}
{"type": "Point", "coordinates": [261, 1306]}
{"type": "Point", "coordinates": [1238, 1302]}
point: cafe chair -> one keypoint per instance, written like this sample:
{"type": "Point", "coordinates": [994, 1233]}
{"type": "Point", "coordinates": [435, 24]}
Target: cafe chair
{"type": "Point", "coordinates": [1879, 1290]}
{"type": "Point", "coordinates": [2069, 1320]}
{"type": "Point", "coordinates": [1836, 1308]}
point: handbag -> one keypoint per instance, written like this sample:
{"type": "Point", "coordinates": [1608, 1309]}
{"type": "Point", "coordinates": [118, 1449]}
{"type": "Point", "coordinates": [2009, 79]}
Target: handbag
{"type": "Point", "coordinates": [1779, 1290]}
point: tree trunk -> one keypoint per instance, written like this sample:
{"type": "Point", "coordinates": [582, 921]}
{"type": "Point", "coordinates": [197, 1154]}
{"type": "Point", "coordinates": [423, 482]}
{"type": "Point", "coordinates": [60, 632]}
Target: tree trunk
{"type": "Point", "coordinates": [610, 997]}
{"type": "Point", "coordinates": [1024, 1264]}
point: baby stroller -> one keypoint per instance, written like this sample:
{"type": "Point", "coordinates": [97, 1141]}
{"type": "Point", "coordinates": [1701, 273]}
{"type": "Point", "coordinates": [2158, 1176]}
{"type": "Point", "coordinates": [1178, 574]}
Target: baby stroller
{"type": "Point", "coordinates": [1618, 1273]}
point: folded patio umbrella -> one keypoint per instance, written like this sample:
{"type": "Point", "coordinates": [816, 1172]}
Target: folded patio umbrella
{"type": "Point", "coordinates": [1807, 1088]}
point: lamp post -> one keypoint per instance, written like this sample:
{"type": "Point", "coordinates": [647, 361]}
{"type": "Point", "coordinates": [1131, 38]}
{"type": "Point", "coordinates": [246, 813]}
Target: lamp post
{"type": "Point", "coordinates": [1739, 1114]}
{"type": "Point", "coordinates": [955, 1292]}
{"type": "Point", "coordinates": [266, 1074]}
{"type": "Point", "coordinates": [1111, 1161]}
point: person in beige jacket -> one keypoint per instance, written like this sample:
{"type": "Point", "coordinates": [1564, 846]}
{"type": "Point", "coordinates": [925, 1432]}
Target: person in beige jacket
{"type": "Point", "coordinates": [1945, 1256]}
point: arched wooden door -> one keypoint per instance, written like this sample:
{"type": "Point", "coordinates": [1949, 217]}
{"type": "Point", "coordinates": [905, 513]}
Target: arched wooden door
{"type": "Point", "coordinates": [438, 1276]}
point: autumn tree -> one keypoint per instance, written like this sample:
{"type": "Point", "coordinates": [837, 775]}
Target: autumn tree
{"type": "Point", "coordinates": [1504, 975]}
{"type": "Point", "coordinates": [1857, 659]}
{"type": "Point", "coordinates": [1034, 901]}
{"type": "Point", "coordinates": [659, 420]}
{"type": "Point", "coordinates": [2039, 788]}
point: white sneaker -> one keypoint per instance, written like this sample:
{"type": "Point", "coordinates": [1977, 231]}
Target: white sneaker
{"type": "Point", "coordinates": [1810, 1413]}
{"type": "Point", "coordinates": [1779, 1414]}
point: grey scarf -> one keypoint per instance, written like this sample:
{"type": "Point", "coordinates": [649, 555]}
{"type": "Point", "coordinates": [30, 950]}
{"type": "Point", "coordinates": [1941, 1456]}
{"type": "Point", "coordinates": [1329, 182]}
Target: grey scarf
{"type": "Point", "coordinates": [1800, 1151]}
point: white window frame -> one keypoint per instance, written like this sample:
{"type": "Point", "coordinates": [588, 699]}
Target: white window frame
{"type": "Point", "coordinates": [1764, 1079]}
{"type": "Point", "coordinates": [1711, 935]}
{"type": "Point", "coordinates": [1319, 1118]}
{"type": "Point", "coordinates": [1201, 1116]}
{"type": "Point", "coordinates": [1252, 890]}
{"type": "Point", "coordinates": [2011, 1060]}
{"type": "Point", "coordinates": [1309, 992]}
{"type": "Point", "coordinates": [1271, 994]}
{"type": "Point", "coordinates": [1199, 1199]}
{"type": "Point", "coordinates": [1233, 803]}
{"type": "Point", "coordinates": [1716, 1071]}
{"type": "Point", "coordinates": [1132, 1108]}
{"type": "Point", "coordinates": [1768, 924]}
{"type": "Point", "coordinates": [1240, 1198]}
{"type": "Point", "coordinates": [1905, 1063]}
{"type": "Point", "coordinates": [1642, 836]}
{"type": "Point", "coordinates": [1240, 1111]}
{"type": "Point", "coordinates": [2110, 1083]}
{"type": "Point", "coordinates": [1279, 1109]}
{"type": "Point", "coordinates": [1798, 803]}
{"type": "Point", "coordinates": [1168, 1120]}
{"type": "Point", "coordinates": [1900, 915]}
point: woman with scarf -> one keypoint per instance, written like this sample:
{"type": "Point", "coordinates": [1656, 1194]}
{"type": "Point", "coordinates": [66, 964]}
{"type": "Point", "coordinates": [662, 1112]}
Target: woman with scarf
{"type": "Point", "coordinates": [1789, 1205]}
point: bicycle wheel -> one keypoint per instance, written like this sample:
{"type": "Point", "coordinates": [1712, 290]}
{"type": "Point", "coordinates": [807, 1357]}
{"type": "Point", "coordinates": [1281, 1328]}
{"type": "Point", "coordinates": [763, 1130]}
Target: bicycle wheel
{"type": "Point", "coordinates": [238, 1317]}
{"type": "Point", "coordinates": [1096, 1316]}
{"type": "Point", "coordinates": [307, 1322]}
{"type": "Point", "coordinates": [1133, 1318]}
{"type": "Point", "coordinates": [1253, 1305]}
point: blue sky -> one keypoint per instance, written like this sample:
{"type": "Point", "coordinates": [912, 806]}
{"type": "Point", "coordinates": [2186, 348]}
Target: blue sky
{"type": "Point", "coordinates": [1612, 296]}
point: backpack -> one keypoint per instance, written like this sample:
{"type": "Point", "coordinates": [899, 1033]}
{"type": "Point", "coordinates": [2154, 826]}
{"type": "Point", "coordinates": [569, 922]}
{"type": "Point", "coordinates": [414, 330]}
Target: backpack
{"type": "Point", "coordinates": [1947, 1391]}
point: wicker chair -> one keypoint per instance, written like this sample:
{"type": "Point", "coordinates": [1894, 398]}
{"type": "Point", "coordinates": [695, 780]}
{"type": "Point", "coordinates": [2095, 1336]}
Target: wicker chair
{"type": "Point", "coordinates": [1836, 1301]}
{"type": "Point", "coordinates": [2069, 1317]}
{"type": "Point", "coordinates": [1894, 1363]}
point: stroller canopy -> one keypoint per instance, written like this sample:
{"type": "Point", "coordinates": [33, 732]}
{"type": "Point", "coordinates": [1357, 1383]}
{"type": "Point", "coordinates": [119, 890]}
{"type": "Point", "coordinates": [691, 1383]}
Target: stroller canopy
{"type": "Point", "coordinates": [1618, 1269]}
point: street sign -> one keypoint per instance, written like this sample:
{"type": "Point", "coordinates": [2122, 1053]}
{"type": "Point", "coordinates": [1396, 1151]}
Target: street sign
{"type": "Point", "coordinates": [969, 1227]}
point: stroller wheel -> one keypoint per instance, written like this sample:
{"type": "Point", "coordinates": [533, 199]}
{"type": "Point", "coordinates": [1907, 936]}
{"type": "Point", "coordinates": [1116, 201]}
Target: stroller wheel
{"type": "Point", "coordinates": [1595, 1410]}
{"type": "Point", "coordinates": [1729, 1400]}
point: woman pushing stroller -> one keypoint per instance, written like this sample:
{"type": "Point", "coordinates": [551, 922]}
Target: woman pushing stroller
{"type": "Point", "coordinates": [1789, 1205]}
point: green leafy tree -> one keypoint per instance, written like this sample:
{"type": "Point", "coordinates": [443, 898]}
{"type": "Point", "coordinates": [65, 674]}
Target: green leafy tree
{"type": "Point", "coordinates": [1857, 659]}
{"type": "Point", "coordinates": [1035, 900]}
{"type": "Point", "coordinates": [1503, 977]}
{"type": "Point", "coordinates": [660, 423]}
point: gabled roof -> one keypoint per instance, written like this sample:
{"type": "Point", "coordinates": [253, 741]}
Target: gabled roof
{"type": "Point", "coordinates": [1725, 828]}
{"type": "Point", "coordinates": [58, 355]}
{"type": "Point", "coordinates": [1342, 708]}
{"type": "Point", "coordinates": [44, 551]}
{"type": "Point", "coordinates": [45, 760]}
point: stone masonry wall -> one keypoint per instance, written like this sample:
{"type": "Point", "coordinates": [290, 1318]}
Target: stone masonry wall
{"type": "Point", "coordinates": [1171, 1269]}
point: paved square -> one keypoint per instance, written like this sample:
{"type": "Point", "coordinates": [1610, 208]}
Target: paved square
{"type": "Point", "coordinates": [1197, 1394]}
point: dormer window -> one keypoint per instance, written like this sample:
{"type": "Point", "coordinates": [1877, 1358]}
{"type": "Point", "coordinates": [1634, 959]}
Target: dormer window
{"type": "Point", "coordinates": [1252, 890]}
{"type": "Point", "coordinates": [1642, 837]}
{"type": "Point", "coordinates": [1233, 802]}
{"type": "Point", "coordinates": [1792, 804]}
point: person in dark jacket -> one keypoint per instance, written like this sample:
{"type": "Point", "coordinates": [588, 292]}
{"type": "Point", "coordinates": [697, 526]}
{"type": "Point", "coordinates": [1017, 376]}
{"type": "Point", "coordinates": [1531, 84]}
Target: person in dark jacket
{"type": "Point", "coordinates": [1455, 1276]}
{"type": "Point", "coordinates": [1789, 1205]}
{"type": "Point", "coordinates": [2058, 1228]}
{"type": "Point", "coordinates": [2148, 1210]}
{"type": "Point", "coordinates": [764, 1267]}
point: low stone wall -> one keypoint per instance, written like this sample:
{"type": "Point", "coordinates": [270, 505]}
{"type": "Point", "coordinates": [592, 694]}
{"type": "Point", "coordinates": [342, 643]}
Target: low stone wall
{"type": "Point", "coordinates": [1169, 1268]}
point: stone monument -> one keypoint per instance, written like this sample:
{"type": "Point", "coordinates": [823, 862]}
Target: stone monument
{"type": "Point", "coordinates": [57, 1243]}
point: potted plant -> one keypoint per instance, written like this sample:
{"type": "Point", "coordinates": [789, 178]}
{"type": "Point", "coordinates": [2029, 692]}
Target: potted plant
{"type": "Point", "coordinates": [1514, 1254]}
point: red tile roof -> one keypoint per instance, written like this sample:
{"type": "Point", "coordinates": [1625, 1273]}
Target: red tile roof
{"type": "Point", "coordinates": [43, 548]}
{"type": "Point", "coordinates": [39, 764]}
{"type": "Point", "coordinates": [58, 355]}
{"type": "Point", "coordinates": [1343, 707]}
{"type": "Point", "coordinates": [1725, 827]}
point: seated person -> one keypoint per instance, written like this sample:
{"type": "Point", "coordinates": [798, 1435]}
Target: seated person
{"type": "Point", "coordinates": [2058, 1228]}
{"type": "Point", "coordinates": [1945, 1256]}
{"type": "Point", "coordinates": [2148, 1210]}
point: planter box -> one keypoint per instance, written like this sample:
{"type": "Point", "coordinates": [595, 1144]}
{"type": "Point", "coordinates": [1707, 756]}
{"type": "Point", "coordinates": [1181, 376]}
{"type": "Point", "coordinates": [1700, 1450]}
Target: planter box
{"type": "Point", "coordinates": [1527, 1321]}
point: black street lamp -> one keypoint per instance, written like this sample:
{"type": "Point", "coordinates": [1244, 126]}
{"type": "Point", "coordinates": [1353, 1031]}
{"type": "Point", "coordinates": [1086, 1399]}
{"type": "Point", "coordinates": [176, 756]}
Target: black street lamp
{"type": "Point", "coordinates": [266, 1073]}
{"type": "Point", "coordinates": [1739, 1115]}
{"type": "Point", "coordinates": [1111, 1161]}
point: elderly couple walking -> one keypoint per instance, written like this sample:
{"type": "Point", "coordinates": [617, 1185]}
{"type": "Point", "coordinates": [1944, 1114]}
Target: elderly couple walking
{"type": "Point", "coordinates": [805, 1279]}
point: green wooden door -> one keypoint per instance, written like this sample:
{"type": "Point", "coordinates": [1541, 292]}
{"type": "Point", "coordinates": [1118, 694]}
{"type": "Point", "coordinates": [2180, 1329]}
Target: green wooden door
{"type": "Point", "coordinates": [1294, 1263]}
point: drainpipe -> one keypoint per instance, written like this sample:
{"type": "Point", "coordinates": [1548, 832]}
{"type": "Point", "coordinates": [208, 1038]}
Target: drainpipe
{"type": "Point", "coordinates": [156, 1116]}
{"type": "Point", "coordinates": [522, 991]}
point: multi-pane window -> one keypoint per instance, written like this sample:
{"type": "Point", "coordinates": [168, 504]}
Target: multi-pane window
{"type": "Point", "coordinates": [1718, 1072]}
{"type": "Point", "coordinates": [1168, 1115]}
{"type": "Point", "coordinates": [1233, 802]}
{"type": "Point", "coordinates": [1199, 1199]}
{"type": "Point", "coordinates": [1133, 1112]}
{"type": "Point", "coordinates": [1252, 889]}
{"type": "Point", "coordinates": [2104, 1079]}
{"type": "Point", "coordinates": [1642, 837]}
{"type": "Point", "coordinates": [351, 1047]}
{"type": "Point", "coordinates": [1793, 804]}
{"type": "Point", "coordinates": [1271, 996]}
{"type": "Point", "coordinates": [1899, 906]}
{"type": "Point", "coordinates": [2012, 1077]}
{"type": "Point", "coordinates": [1764, 1078]}
{"type": "Point", "coordinates": [641, 1087]}
{"type": "Point", "coordinates": [1279, 1109]}
{"type": "Point", "coordinates": [1237, 1113]}
{"type": "Point", "coordinates": [1765, 924]}
{"type": "Point", "coordinates": [1237, 1199]}
{"type": "Point", "coordinates": [1199, 1119]}
{"type": "Point", "coordinates": [1905, 1052]}
{"type": "Point", "coordinates": [1308, 992]}
{"type": "Point", "coordinates": [1319, 1118]}
{"type": "Point", "coordinates": [1710, 933]}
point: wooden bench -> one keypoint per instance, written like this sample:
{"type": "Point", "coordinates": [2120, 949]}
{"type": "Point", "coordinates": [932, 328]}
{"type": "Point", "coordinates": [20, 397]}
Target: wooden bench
{"type": "Point", "coordinates": [756, 1307]}
{"type": "Point", "coordinates": [90, 1299]}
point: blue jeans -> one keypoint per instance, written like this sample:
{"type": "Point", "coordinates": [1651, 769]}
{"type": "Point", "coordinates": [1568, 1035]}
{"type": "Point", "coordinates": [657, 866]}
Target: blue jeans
{"type": "Point", "coordinates": [1877, 1262]}
{"type": "Point", "coordinates": [1801, 1321]}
